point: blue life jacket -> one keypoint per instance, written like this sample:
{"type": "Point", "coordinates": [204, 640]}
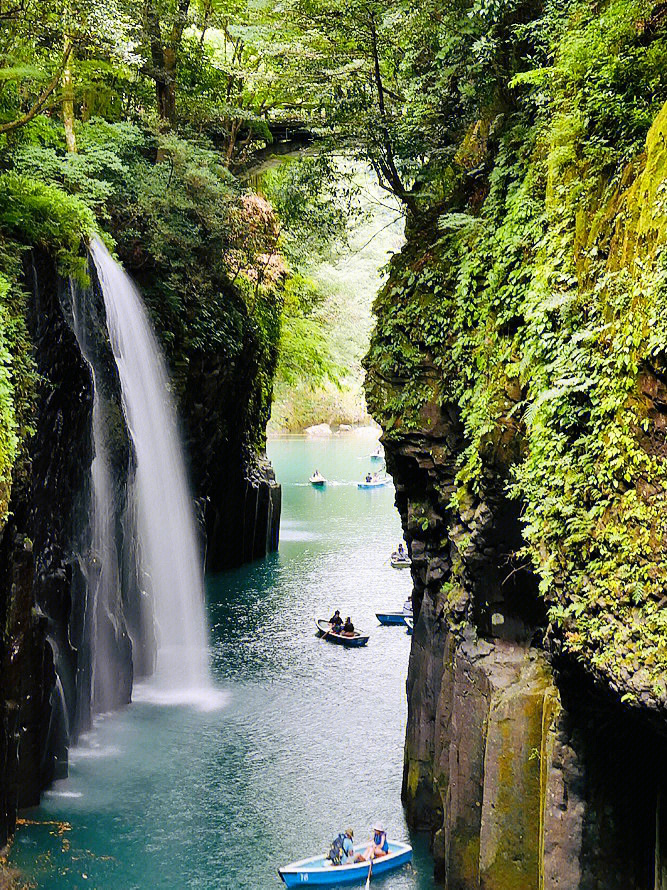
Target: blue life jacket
{"type": "Point", "coordinates": [380, 840]}
{"type": "Point", "coordinates": [336, 851]}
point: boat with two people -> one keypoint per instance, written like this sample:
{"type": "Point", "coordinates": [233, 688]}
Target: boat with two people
{"type": "Point", "coordinates": [321, 871]}
{"type": "Point", "coordinates": [317, 479]}
{"type": "Point", "coordinates": [400, 558]}
{"type": "Point", "coordinates": [341, 637]}
{"type": "Point", "coordinates": [373, 480]}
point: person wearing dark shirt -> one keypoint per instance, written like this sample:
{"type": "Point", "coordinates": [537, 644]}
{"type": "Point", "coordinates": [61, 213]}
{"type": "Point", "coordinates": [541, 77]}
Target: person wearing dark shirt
{"type": "Point", "coordinates": [348, 627]}
{"type": "Point", "coordinates": [336, 621]}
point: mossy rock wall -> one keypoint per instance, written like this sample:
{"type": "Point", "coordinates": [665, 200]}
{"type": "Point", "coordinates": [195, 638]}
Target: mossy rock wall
{"type": "Point", "coordinates": [519, 371]}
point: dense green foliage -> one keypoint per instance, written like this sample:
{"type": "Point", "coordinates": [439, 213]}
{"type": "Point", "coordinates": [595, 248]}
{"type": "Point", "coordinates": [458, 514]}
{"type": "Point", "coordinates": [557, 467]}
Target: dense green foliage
{"type": "Point", "coordinates": [317, 208]}
{"type": "Point", "coordinates": [125, 119]}
{"type": "Point", "coordinates": [541, 299]}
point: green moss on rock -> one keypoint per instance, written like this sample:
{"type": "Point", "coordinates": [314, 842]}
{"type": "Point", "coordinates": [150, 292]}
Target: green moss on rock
{"type": "Point", "coordinates": [535, 319]}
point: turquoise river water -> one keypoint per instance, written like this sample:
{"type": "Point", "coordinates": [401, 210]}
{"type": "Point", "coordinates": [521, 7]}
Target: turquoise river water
{"type": "Point", "coordinates": [308, 738]}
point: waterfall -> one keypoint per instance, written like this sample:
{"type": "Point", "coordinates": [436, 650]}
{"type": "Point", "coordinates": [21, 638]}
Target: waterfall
{"type": "Point", "coordinates": [103, 632]}
{"type": "Point", "coordinates": [166, 525]}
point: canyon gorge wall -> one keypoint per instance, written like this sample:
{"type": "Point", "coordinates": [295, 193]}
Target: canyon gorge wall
{"type": "Point", "coordinates": [517, 370]}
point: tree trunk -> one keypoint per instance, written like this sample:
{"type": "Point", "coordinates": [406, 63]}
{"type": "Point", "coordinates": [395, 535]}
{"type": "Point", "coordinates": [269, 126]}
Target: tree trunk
{"type": "Point", "coordinates": [68, 98]}
{"type": "Point", "coordinates": [386, 164]}
{"type": "Point", "coordinates": [165, 87]}
{"type": "Point", "coordinates": [165, 41]}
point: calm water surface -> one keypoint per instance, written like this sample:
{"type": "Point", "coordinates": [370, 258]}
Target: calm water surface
{"type": "Point", "coordinates": [308, 741]}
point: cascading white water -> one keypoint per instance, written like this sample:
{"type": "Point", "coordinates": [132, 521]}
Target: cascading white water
{"type": "Point", "coordinates": [168, 542]}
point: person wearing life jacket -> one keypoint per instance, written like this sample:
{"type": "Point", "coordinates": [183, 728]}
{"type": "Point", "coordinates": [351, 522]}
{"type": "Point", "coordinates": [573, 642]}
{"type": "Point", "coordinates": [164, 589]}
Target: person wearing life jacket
{"type": "Point", "coordinates": [342, 848]}
{"type": "Point", "coordinates": [379, 846]}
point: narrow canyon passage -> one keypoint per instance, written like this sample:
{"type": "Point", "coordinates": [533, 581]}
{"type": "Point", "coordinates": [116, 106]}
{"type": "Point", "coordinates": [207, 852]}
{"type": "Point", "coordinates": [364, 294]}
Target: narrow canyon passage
{"type": "Point", "coordinates": [309, 739]}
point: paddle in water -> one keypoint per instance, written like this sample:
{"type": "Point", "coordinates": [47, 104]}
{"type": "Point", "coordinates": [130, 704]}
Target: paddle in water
{"type": "Point", "coordinates": [368, 879]}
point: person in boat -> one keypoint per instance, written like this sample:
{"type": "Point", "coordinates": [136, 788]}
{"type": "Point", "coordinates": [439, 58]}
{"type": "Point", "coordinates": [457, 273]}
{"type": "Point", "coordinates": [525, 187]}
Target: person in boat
{"type": "Point", "coordinates": [369, 478]}
{"type": "Point", "coordinates": [336, 621]}
{"type": "Point", "coordinates": [348, 627]}
{"type": "Point", "coordinates": [401, 551]}
{"type": "Point", "coordinates": [379, 846]}
{"type": "Point", "coordinates": [342, 848]}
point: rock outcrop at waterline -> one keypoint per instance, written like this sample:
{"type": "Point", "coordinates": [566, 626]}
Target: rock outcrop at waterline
{"type": "Point", "coordinates": [522, 400]}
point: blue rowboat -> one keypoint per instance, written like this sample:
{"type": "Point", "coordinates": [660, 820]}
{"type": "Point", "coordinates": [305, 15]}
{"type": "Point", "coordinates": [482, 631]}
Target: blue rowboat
{"type": "Point", "coordinates": [319, 870]}
{"type": "Point", "coordinates": [409, 623]}
{"type": "Point", "coordinates": [324, 630]}
{"type": "Point", "coordinates": [390, 617]}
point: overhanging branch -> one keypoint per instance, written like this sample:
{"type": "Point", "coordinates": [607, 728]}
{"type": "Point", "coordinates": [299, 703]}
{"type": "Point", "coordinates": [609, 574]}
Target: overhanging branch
{"type": "Point", "coordinates": [41, 101]}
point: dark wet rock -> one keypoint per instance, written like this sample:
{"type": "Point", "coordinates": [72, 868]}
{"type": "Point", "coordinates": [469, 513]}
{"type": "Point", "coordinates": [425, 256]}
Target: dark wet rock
{"type": "Point", "coordinates": [48, 566]}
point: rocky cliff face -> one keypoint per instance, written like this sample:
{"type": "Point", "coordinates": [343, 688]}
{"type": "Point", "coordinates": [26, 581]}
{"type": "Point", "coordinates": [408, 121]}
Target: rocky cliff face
{"type": "Point", "coordinates": [233, 480]}
{"type": "Point", "coordinates": [527, 774]}
{"type": "Point", "coordinates": [68, 596]}
{"type": "Point", "coordinates": [535, 742]}
{"type": "Point", "coordinates": [42, 550]}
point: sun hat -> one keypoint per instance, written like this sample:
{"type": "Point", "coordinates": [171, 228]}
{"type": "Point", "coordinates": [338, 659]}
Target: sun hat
{"type": "Point", "coordinates": [378, 826]}
{"type": "Point", "coordinates": [349, 832]}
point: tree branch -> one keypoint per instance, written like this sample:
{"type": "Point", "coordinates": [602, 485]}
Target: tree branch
{"type": "Point", "coordinates": [44, 95]}
{"type": "Point", "coordinates": [391, 172]}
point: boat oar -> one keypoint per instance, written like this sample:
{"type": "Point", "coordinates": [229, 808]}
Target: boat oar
{"type": "Point", "coordinates": [368, 879]}
{"type": "Point", "coordinates": [325, 633]}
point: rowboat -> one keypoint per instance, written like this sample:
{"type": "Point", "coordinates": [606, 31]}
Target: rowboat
{"type": "Point", "coordinates": [376, 482]}
{"type": "Point", "coordinates": [390, 617]}
{"type": "Point", "coordinates": [324, 630]}
{"type": "Point", "coordinates": [318, 480]}
{"type": "Point", "coordinates": [378, 454]}
{"type": "Point", "coordinates": [410, 624]}
{"type": "Point", "coordinates": [319, 870]}
{"type": "Point", "coordinates": [399, 561]}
